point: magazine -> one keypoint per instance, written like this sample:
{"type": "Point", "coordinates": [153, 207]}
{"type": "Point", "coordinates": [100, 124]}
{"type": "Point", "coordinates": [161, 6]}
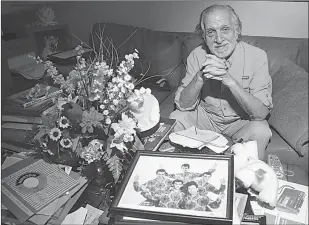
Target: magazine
{"type": "Point", "coordinates": [292, 205]}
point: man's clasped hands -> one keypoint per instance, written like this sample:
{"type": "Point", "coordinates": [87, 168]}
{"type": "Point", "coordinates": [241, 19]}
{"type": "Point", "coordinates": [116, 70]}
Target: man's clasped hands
{"type": "Point", "coordinates": [215, 68]}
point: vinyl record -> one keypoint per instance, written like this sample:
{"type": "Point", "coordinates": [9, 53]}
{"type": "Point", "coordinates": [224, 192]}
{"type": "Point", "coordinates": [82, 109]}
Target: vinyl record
{"type": "Point", "coordinates": [31, 182]}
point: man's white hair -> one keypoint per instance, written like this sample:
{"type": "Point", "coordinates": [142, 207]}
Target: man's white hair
{"type": "Point", "coordinates": [200, 29]}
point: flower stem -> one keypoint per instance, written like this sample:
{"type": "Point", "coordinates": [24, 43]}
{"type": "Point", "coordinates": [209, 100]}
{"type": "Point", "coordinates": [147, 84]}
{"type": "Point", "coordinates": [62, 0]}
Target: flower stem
{"type": "Point", "coordinates": [58, 152]}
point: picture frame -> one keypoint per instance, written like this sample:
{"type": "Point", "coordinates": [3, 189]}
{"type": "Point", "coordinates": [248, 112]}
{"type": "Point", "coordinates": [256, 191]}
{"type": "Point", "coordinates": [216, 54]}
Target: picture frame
{"type": "Point", "coordinates": [151, 188]}
{"type": "Point", "coordinates": [51, 39]}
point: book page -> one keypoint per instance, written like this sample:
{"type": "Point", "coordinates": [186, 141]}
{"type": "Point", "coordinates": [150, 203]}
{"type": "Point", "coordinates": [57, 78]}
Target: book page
{"type": "Point", "coordinates": [292, 204]}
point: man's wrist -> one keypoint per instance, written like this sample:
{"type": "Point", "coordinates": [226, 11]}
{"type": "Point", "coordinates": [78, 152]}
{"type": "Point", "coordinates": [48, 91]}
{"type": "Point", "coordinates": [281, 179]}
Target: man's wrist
{"type": "Point", "coordinates": [229, 81]}
{"type": "Point", "coordinates": [199, 78]}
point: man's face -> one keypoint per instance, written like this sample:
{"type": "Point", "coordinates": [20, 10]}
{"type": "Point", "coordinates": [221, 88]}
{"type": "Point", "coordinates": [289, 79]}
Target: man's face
{"type": "Point", "coordinates": [160, 174]}
{"type": "Point", "coordinates": [185, 168]}
{"type": "Point", "coordinates": [177, 185]}
{"type": "Point", "coordinates": [220, 33]}
{"type": "Point", "coordinates": [206, 177]}
{"type": "Point", "coordinates": [192, 189]}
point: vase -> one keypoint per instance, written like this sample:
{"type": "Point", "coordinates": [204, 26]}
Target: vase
{"type": "Point", "coordinates": [101, 176]}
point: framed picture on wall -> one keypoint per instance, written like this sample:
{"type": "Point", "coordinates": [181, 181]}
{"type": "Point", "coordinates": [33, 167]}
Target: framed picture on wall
{"type": "Point", "coordinates": [188, 188]}
{"type": "Point", "coordinates": [51, 40]}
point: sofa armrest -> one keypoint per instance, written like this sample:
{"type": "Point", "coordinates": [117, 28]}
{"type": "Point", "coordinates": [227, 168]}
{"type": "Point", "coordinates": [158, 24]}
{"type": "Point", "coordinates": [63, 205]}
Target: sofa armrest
{"type": "Point", "coordinates": [289, 117]}
{"type": "Point", "coordinates": [168, 106]}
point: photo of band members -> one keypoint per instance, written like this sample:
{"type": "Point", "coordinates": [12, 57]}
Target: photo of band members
{"type": "Point", "coordinates": [187, 184]}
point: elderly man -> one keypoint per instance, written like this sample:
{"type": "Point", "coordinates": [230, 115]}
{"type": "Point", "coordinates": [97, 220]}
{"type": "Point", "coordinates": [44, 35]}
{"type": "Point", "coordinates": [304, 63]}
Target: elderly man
{"type": "Point", "coordinates": [227, 87]}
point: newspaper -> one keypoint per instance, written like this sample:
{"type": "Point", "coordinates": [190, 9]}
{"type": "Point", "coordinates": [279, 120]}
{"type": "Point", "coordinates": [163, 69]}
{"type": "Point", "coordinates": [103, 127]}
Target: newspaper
{"type": "Point", "coordinates": [291, 208]}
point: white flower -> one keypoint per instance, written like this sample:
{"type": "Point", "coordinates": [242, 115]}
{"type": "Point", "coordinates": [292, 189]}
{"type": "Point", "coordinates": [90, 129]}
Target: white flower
{"type": "Point", "coordinates": [115, 102]}
{"type": "Point", "coordinates": [102, 106]}
{"type": "Point", "coordinates": [115, 126]}
{"type": "Point", "coordinates": [105, 112]}
{"type": "Point", "coordinates": [130, 99]}
{"type": "Point", "coordinates": [135, 55]}
{"type": "Point", "coordinates": [110, 72]}
{"type": "Point", "coordinates": [112, 107]}
{"type": "Point", "coordinates": [120, 146]}
{"type": "Point", "coordinates": [55, 134]}
{"type": "Point", "coordinates": [130, 86]}
{"type": "Point", "coordinates": [108, 121]}
{"type": "Point", "coordinates": [148, 91]}
{"type": "Point", "coordinates": [142, 90]}
{"type": "Point", "coordinates": [66, 143]}
{"type": "Point", "coordinates": [63, 122]}
{"type": "Point", "coordinates": [127, 77]}
{"type": "Point", "coordinates": [123, 90]}
{"type": "Point", "coordinates": [115, 89]}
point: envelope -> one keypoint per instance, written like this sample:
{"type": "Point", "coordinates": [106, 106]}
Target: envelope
{"type": "Point", "coordinates": [46, 213]}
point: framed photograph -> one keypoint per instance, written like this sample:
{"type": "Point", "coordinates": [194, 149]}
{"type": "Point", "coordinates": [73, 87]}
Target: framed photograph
{"type": "Point", "coordinates": [51, 40]}
{"type": "Point", "coordinates": [188, 188]}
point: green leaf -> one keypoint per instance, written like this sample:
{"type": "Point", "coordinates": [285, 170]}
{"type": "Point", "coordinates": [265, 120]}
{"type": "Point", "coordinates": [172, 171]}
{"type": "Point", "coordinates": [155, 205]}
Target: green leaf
{"type": "Point", "coordinates": [75, 142]}
{"type": "Point", "coordinates": [115, 166]}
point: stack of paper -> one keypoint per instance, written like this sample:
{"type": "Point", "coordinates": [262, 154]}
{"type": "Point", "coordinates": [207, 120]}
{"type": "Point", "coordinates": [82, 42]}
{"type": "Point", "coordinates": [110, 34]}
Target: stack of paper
{"type": "Point", "coordinates": [54, 211]}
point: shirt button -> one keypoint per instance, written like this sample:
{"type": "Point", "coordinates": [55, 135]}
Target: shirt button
{"type": "Point", "coordinates": [266, 95]}
{"type": "Point", "coordinates": [224, 108]}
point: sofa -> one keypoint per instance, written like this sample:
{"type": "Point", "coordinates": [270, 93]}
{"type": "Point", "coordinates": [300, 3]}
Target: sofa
{"type": "Point", "coordinates": [163, 55]}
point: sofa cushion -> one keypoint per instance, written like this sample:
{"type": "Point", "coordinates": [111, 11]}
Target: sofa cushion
{"type": "Point", "coordinates": [159, 52]}
{"type": "Point", "coordinates": [168, 105]}
{"type": "Point", "coordinates": [190, 42]}
{"type": "Point", "coordinates": [303, 55]}
{"type": "Point", "coordinates": [278, 47]}
{"type": "Point", "coordinates": [287, 155]}
{"type": "Point", "coordinates": [289, 116]}
{"type": "Point", "coordinates": [295, 174]}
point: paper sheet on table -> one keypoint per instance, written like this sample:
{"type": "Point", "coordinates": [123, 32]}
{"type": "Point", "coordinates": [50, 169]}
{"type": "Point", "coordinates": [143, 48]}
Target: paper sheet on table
{"type": "Point", "coordinates": [10, 160]}
{"type": "Point", "coordinates": [77, 217]}
{"type": "Point", "coordinates": [27, 66]}
{"type": "Point", "coordinates": [18, 126]}
{"type": "Point", "coordinates": [196, 138]}
{"type": "Point", "coordinates": [93, 215]}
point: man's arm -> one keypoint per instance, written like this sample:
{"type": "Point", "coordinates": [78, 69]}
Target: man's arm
{"type": "Point", "coordinates": [191, 92]}
{"type": "Point", "coordinates": [186, 97]}
{"type": "Point", "coordinates": [258, 102]}
{"type": "Point", "coordinates": [137, 187]}
{"type": "Point", "coordinates": [250, 104]}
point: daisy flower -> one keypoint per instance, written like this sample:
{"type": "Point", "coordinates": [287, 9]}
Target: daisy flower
{"type": "Point", "coordinates": [108, 121]}
{"type": "Point", "coordinates": [63, 122]}
{"type": "Point", "coordinates": [66, 143]}
{"type": "Point", "coordinates": [55, 134]}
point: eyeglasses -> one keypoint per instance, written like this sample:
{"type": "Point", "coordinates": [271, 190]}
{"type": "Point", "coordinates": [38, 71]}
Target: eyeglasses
{"type": "Point", "coordinates": [211, 33]}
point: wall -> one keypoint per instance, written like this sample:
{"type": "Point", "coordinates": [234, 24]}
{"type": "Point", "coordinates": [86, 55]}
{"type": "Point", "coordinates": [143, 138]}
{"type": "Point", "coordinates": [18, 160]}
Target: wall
{"type": "Point", "coordinates": [260, 18]}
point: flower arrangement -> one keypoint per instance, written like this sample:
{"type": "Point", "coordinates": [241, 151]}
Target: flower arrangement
{"type": "Point", "coordinates": [91, 120]}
